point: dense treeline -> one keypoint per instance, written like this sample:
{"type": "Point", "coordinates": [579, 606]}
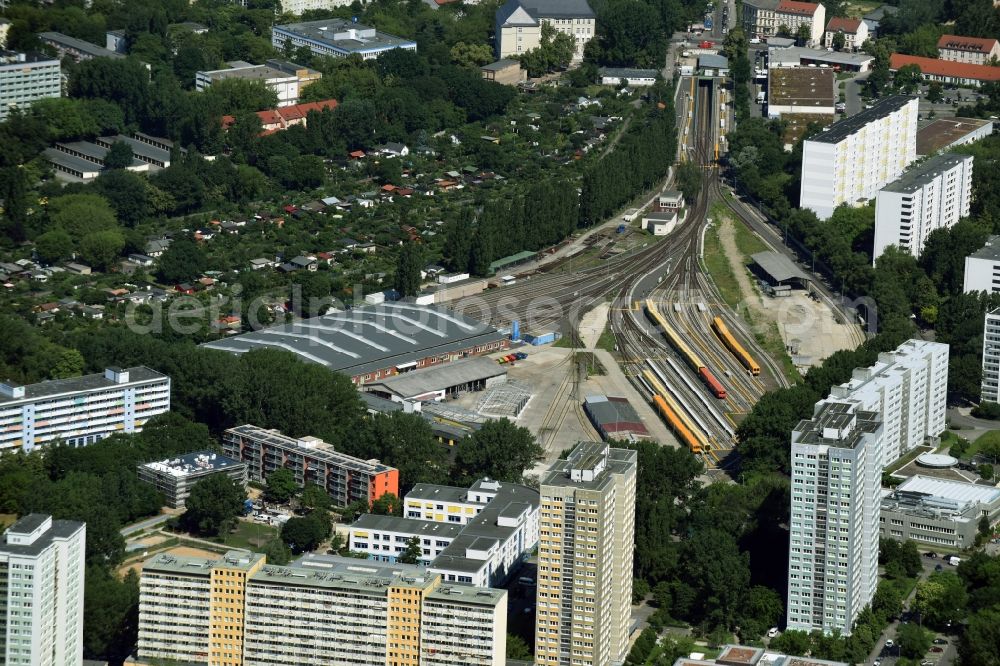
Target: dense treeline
{"type": "Point", "coordinates": [638, 162]}
{"type": "Point", "coordinates": [706, 553]}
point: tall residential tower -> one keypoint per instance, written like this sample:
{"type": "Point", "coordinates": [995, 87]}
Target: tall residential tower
{"type": "Point", "coordinates": [833, 547]}
{"type": "Point", "coordinates": [585, 557]}
{"type": "Point", "coordinates": [41, 592]}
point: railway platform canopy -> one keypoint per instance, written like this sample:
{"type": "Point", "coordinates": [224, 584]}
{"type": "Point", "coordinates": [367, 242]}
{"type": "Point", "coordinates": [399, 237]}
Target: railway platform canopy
{"type": "Point", "coordinates": [779, 269]}
{"type": "Point", "coordinates": [512, 260]}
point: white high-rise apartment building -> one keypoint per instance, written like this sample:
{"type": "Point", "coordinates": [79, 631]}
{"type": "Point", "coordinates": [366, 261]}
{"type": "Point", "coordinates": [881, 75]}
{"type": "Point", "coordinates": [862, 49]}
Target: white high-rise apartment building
{"type": "Point", "coordinates": [41, 592]}
{"type": "Point", "coordinates": [854, 158]}
{"type": "Point", "coordinates": [81, 410]}
{"type": "Point", "coordinates": [834, 526]}
{"type": "Point", "coordinates": [908, 389]}
{"type": "Point", "coordinates": [933, 195]}
{"type": "Point", "coordinates": [982, 268]}
{"type": "Point", "coordinates": [322, 609]}
{"type": "Point", "coordinates": [26, 77]}
{"type": "Point", "coordinates": [584, 593]}
{"type": "Point", "coordinates": [990, 388]}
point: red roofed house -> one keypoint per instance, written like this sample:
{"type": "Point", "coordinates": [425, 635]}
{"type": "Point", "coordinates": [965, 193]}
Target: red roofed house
{"type": "Point", "coordinates": [855, 32]}
{"type": "Point", "coordinates": [972, 50]}
{"type": "Point", "coordinates": [764, 18]}
{"type": "Point", "coordinates": [947, 71]}
{"type": "Point", "coordinates": [275, 120]}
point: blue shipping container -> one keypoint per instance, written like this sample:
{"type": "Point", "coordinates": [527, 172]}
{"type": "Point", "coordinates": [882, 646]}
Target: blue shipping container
{"type": "Point", "coordinates": [543, 339]}
{"type": "Point", "coordinates": [515, 331]}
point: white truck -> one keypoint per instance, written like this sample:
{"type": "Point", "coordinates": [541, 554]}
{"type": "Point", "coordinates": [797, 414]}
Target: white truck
{"type": "Point", "coordinates": [954, 560]}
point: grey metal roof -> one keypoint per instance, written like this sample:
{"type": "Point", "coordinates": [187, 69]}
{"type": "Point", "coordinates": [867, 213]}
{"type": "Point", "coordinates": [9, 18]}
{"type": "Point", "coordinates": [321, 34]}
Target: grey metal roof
{"type": "Point", "coordinates": [713, 61]}
{"type": "Point", "coordinates": [440, 377]}
{"type": "Point", "coordinates": [138, 147]}
{"type": "Point", "coordinates": [555, 8]}
{"type": "Point", "coordinates": [609, 411]}
{"type": "Point", "coordinates": [991, 250]}
{"type": "Point", "coordinates": [366, 339]}
{"type": "Point", "coordinates": [430, 492]}
{"type": "Point", "coordinates": [60, 40]}
{"type": "Point", "coordinates": [628, 73]}
{"type": "Point", "coordinates": [427, 528]}
{"type": "Point", "coordinates": [194, 464]}
{"type": "Point", "coordinates": [93, 382]}
{"type": "Point", "coordinates": [848, 126]}
{"type": "Point", "coordinates": [325, 31]}
{"type": "Point", "coordinates": [779, 267]}
{"type": "Point", "coordinates": [71, 161]}
{"type": "Point", "coordinates": [922, 174]}
{"type": "Point", "coordinates": [503, 63]}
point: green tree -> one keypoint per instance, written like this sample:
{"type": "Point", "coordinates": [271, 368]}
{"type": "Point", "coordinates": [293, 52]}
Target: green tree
{"type": "Point", "coordinates": [413, 552]}
{"type": "Point", "coordinates": [81, 214]}
{"type": "Point", "coordinates": [230, 96]}
{"type": "Point", "coordinates": [101, 249]}
{"type": "Point", "coordinates": [281, 486]}
{"type": "Point", "coordinates": [182, 261]}
{"type": "Point", "coordinates": [630, 33]}
{"type": "Point", "coordinates": [839, 41]}
{"type": "Point", "coordinates": [128, 193]}
{"type": "Point", "coordinates": [517, 648]}
{"type": "Point", "coordinates": [908, 78]}
{"type": "Point", "coordinates": [689, 180]}
{"type": "Point", "coordinates": [110, 613]}
{"type": "Point", "coordinates": [277, 552]}
{"type": "Point", "coordinates": [14, 193]}
{"type": "Point", "coordinates": [307, 533]}
{"type": "Point", "coordinates": [914, 640]}
{"type": "Point", "coordinates": [119, 156]}
{"type": "Point", "coordinates": [387, 505]}
{"type": "Point", "coordinates": [471, 55]}
{"type": "Point", "coordinates": [406, 442]}
{"type": "Point", "coordinates": [213, 506]}
{"type": "Point", "coordinates": [935, 92]}
{"type": "Point", "coordinates": [406, 279]}
{"type": "Point", "coordinates": [804, 34]}
{"type": "Point", "coordinates": [315, 497]}
{"type": "Point", "coordinates": [986, 471]}
{"type": "Point", "coordinates": [499, 450]}
{"type": "Point", "coordinates": [978, 644]}
{"type": "Point", "coordinates": [941, 598]}
{"type": "Point", "coordinates": [54, 246]}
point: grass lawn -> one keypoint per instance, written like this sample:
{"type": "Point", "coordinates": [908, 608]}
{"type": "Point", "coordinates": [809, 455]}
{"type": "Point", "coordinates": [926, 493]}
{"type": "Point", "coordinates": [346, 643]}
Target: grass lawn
{"type": "Point", "coordinates": [988, 437]}
{"type": "Point", "coordinates": [607, 340]}
{"type": "Point", "coordinates": [747, 241]}
{"type": "Point", "coordinates": [249, 535]}
{"type": "Point", "coordinates": [858, 8]}
{"type": "Point", "coordinates": [717, 266]}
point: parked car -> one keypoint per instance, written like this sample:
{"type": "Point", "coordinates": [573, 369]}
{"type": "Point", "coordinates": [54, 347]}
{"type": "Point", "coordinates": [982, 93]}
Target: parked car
{"type": "Point", "coordinates": [932, 555]}
{"type": "Point", "coordinates": [889, 643]}
{"type": "Point", "coordinates": [772, 632]}
{"type": "Point", "coordinates": [940, 641]}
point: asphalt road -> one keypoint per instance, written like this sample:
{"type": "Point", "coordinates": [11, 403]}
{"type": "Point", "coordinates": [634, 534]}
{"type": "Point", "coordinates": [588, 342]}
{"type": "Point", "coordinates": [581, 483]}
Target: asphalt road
{"type": "Point", "coordinates": [145, 524]}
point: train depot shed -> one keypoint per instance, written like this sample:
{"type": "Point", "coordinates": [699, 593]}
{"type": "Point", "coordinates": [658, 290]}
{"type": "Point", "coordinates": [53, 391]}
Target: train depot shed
{"type": "Point", "coordinates": [614, 418]}
{"type": "Point", "coordinates": [779, 270]}
{"type": "Point", "coordinates": [374, 342]}
{"type": "Point", "coordinates": [442, 381]}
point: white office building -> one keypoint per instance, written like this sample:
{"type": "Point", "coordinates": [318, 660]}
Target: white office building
{"type": "Point", "coordinates": [287, 80]}
{"type": "Point", "coordinates": [476, 536]}
{"type": "Point", "coordinates": [338, 38]}
{"type": "Point", "coordinates": [908, 389]}
{"type": "Point", "coordinates": [41, 578]}
{"type": "Point", "coordinates": [26, 77]}
{"type": "Point", "coordinates": [854, 158]}
{"type": "Point", "coordinates": [990, 388]}
{"type": "Point", "coordinates": [834, 519]}
{"type": "Point", "coordinates": [81, 410]}
{"type": "Point", "coordinates": [982, 268]}
{"type": "Point", "coordinates": [936, 194]}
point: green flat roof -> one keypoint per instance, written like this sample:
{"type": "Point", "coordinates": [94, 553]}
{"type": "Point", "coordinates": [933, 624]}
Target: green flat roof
{"type": "Point", "coordinates": [518, 258]}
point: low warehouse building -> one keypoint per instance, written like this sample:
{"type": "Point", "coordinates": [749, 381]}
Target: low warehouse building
{"type": "Point", "coordinates": [614, 418]}
{"type": "Point", "coordinates": [937, 511]}
{"type": "Point", "coordinates": [370, 343]}
{"type": "Point", "coordinates": [440, 382]}
{"type": "Point", "coordinates": [778, 269]}
{"type": "Point", "coordinates": [175, 477]}
{"type": "Point", "coordinates": [800, 90]}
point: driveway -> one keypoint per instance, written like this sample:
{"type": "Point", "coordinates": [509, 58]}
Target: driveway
{"type": "Point", "coordinates": [852, 92]}
{"type": "Point", "coordinates": [146, 524]}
